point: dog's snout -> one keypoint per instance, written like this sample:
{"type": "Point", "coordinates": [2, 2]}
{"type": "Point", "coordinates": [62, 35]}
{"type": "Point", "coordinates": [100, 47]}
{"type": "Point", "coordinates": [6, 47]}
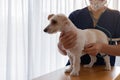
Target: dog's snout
{"type": "Point", "coordinates": [45, 30]}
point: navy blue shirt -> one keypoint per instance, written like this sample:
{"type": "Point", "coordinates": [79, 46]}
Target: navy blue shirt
{"type": "Point", "coordinates": [110, 20]}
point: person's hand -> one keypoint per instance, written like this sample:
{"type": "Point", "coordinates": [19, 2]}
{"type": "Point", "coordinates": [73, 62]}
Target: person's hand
{"type": "Point", "coordinates": [61, 50]}
{"type": "Point", "coordinates": [93, 48]}
{"type": "Point", "coordinates": [68, 39]}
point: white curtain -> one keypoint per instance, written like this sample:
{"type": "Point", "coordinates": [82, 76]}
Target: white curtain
{"type": "Point", "coordinates": [13, 40]}
{"type": "Point", "coordinates": [26, 51]}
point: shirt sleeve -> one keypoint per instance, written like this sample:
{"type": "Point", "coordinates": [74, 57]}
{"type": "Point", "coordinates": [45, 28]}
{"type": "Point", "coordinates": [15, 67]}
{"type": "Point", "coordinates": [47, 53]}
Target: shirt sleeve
{"type": "Point", "coordinates": [72, 17]}
{"type": "Point", "coordinates": [117, 33]}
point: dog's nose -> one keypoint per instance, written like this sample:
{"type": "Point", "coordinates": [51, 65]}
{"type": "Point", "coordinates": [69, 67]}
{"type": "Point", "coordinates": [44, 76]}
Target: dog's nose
{"type": "Point", "coordinates": [45, 30]}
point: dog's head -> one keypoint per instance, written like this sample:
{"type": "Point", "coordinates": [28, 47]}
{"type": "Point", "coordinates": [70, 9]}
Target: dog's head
{"type": "Point", "coordinates": [57, 22]}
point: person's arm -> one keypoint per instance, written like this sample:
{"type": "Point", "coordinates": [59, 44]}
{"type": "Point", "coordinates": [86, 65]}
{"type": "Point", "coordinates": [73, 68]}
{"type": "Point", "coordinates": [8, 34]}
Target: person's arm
{"type": "Point", "coordinates": [67, 41]}
{"type": "Point", "coordinates": [111, 49]}
{"type": "Point", "coordinates": [61, 50]}
{"type": "Point", "coordinates": [95, 48]}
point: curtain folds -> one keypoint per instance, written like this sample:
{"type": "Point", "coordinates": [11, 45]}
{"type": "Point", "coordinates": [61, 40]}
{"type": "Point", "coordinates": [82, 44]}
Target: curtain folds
{"type": "Point", "coordinates": [26, 51]}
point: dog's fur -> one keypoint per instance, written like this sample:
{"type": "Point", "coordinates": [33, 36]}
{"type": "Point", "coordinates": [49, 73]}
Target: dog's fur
{"type": "Point", "coordinates": [61, 23]}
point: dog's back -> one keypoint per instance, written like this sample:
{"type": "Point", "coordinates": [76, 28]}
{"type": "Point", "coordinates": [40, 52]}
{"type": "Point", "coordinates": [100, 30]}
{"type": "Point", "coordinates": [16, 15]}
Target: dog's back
{"type": "Point", "coordinates": [95, 36]}
{"type": "Point", "coordinates": [87, 36]}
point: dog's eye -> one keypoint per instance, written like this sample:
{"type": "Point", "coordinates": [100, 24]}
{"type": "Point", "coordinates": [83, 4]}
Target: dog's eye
{"type": "Point", "coordinates": [53, 21]}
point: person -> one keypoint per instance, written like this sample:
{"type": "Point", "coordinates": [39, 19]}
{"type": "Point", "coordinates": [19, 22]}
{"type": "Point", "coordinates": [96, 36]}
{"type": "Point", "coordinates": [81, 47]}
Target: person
{"type": "Point", "coordinates": [92, 16]}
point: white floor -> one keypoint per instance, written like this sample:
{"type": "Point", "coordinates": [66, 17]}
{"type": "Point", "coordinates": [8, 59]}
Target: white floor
{"type": "Point", "coordinates": [117, 61]}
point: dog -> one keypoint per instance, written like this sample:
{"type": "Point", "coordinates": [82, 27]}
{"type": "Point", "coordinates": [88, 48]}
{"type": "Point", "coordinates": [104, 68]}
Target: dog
{"type": "Point", "coordinates": [60, 23]}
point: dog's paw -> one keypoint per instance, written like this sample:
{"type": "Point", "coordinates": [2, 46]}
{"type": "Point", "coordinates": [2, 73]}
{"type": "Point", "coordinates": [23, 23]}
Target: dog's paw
{"type": "Point", "coordinates": [68, 70]}
{"type": "Point", "coordinates": [108, 68]}
{"type": "Point", "coordinates": [87, 65]}
{"type": "Point", "coordinates": [74, 73]}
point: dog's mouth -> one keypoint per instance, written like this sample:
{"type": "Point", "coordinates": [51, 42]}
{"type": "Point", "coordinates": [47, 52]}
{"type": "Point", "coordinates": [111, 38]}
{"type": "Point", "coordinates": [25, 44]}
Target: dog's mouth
{"type": "Point", "coordinates": [50, 31]}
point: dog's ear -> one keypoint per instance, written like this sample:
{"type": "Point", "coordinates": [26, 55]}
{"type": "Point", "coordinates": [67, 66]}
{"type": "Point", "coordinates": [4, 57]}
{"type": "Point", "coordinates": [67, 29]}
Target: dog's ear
{"type": "Point", "coordinates": [50, 16]}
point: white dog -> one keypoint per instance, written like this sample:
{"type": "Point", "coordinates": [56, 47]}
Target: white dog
{"type": "Point", "coordinates": [61, 23]}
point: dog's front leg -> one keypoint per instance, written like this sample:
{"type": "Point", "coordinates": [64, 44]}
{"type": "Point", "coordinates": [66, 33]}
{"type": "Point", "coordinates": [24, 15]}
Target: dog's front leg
{"type": "Point", "coordinates": [71, 62]}
{"type": "Point", "coordinates": [76, 65]}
